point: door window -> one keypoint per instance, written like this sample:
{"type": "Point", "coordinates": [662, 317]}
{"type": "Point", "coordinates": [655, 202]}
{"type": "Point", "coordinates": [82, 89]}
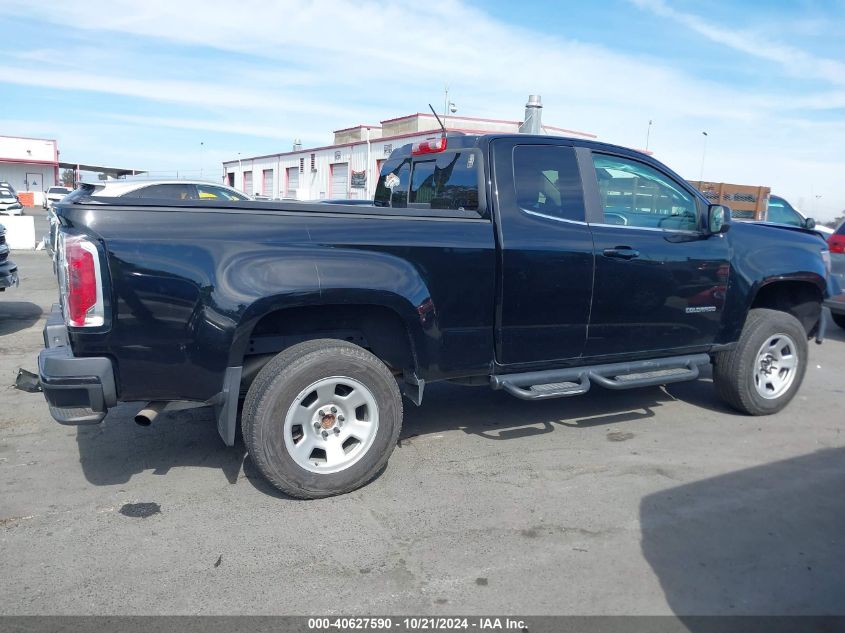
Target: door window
{"type": "Point", "coordinates": [210, 192]}
{"type": "Point", "coordinates": [547, 181]}
{"type": "Point", "coordinates": [637, 195]}
{"type": "Point", "coordinates": [169, 192]}
{"type": "Point", "coordinates": [782, 213]}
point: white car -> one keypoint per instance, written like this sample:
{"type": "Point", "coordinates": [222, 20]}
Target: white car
{"type": "Point", "coordinates": [160, 189]}
{"type": "Point", "coordinates": [781, 212]}
{"type": "Point", "coordinates": [152, 189]}
{"type": "Point", "coordinates": [9, 203]}
{"type": "Point", "coordinates": [54, 194]}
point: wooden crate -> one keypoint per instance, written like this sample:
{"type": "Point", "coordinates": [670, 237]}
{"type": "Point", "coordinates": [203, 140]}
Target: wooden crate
{"type": "Point", "coordinates": [747, 202]}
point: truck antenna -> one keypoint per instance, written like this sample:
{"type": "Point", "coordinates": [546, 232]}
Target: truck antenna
{"type": "Point", "coordinates": [442, 127]}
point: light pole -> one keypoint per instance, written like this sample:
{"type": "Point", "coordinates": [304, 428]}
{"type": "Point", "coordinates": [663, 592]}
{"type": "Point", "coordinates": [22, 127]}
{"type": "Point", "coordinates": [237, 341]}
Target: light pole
{"type": "Point", "coordinates": [448, 106]}
{"type": "Point", "coordinates": [648, 134]}
{"type": "Point", "coordinates": [202, 156]}
{"type": "Point", "coordinates": [703, 154]}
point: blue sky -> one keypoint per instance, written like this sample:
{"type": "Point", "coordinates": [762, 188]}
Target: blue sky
{"type": "Point", "coordinates": [169, 85]}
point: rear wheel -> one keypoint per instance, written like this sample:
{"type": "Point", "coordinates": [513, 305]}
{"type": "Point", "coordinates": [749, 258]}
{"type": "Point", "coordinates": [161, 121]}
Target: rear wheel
{"type": "Point", "coordinates": [839, 319]}
{"type": "Point", "coordinates": [764, 371]}
{"type": "Point", "coordinates": [322, 418]}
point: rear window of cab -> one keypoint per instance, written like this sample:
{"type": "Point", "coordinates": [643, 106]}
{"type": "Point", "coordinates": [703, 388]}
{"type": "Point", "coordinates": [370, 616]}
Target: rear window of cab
{"type": "Point", "coordinates": [448, 181]}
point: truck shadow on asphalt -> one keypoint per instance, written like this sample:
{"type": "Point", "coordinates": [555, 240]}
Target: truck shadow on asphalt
{"type": "Point", "coordinates": [112, 452]}
{"type": "Point", "coordinates": [766, 540]}
{"type": "Point", "coordinates": [16, 316]}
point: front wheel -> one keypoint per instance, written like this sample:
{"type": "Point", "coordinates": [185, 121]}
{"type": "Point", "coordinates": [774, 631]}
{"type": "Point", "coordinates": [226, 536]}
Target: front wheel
{"type": "Point", "coordinates": [322, 418]}
{"type": "Point", "coordinates": [764, 371]}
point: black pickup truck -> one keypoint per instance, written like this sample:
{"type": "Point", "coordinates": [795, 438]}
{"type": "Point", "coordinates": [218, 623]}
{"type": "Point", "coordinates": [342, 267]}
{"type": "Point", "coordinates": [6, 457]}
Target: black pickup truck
{"type": "Point", "coordinates": [537, 265]}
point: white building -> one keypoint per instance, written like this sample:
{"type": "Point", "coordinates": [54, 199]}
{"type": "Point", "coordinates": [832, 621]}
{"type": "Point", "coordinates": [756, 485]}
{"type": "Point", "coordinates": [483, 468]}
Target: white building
{"type": "Point", "coordinates": [29, 164]}
{"type": "Point", "coordinates": [349, 167]}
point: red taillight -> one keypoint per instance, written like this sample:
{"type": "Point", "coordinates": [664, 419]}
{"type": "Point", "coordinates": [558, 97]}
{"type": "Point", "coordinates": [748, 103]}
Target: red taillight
{"type": "Point", "coordinates": [83, 302]}
{"type": "Point", "coordinates": [836, 243]}
{"type": "Point", "coordinates": [431, 146]}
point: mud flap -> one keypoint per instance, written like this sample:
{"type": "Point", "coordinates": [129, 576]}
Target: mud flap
{"type": "Point", "coordinates": [227, 408]}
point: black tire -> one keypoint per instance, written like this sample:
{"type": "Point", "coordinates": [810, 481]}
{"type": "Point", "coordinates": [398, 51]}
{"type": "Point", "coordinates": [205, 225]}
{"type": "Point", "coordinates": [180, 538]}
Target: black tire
{"type": "Point", "coordinates": [839, 319]}
{"type": "Point", "coordinates": [273, 392]}
{"type": "Point", "coordinates": [734, 370]}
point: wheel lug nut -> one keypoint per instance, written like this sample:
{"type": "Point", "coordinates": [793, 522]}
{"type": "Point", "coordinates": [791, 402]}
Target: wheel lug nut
{"type": "Point", "coordinates": [316, 426]}
{"type": "Point", "coordinates": [334, 409]}
{"type": "Point", "coordinates": [321, 413]}
{"type": "Point", "coordinates": [336, 431]}
{"type": "Point", "coordinates": [340, 418]}
{"type": "Point", "coordinates": [325, 434]}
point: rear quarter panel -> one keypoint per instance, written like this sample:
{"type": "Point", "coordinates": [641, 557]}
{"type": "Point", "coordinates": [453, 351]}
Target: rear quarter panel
{"type": "Point", "coordinates": [187, 285]}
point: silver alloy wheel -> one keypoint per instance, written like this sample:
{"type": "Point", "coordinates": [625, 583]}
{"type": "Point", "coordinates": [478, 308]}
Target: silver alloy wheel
{"type": "Point", "coordinates": [331, 424]}
{"type": "Point", "coordinates": [776, 366]}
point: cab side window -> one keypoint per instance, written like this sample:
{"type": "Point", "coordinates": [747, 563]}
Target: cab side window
{"type": "Point", "coordinates": [637, 195]}
{"type": "Point", "coordinates": [547, 181]}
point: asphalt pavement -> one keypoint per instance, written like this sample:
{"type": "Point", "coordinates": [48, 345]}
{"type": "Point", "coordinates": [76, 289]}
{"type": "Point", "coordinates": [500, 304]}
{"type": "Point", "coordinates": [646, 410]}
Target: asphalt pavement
{"type": "Point", "coordinates": [655, 501]}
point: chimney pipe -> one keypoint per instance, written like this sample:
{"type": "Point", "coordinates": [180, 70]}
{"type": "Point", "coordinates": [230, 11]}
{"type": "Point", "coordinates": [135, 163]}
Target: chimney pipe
{"type": "Point", "coordinates": [297, 145]}
{"type": "Point", "coordinates": [533, 123]}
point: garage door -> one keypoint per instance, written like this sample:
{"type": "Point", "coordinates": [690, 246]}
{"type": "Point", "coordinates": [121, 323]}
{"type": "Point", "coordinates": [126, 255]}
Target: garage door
{"type": "Point", "coordinates": [340, 180]}
{"type": "Point", "coordinates": [267, 183]}
{"type": "Point", "coordinates": [293, 182]}
{"type": "Point", "coordinates": [248, 183]}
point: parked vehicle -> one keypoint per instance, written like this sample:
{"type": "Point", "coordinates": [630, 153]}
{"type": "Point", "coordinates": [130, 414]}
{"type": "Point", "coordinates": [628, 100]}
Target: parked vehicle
{"type": "Point", "coordinates": [536, 265]}
{"type": "Point", "coordinates": [836, 243]}
{"type": "Point", "coordinates": [781, 212]}
{"type": "Point", "coordinates": [8, 270]}
{"type": "Point", "coordinates": [54, 194]}
{"type": "Point", "coordinates": [9, 202]}
{"type": "Point", "coordinates": [193, 190]}
{"type": "Point", "coordinates": [158, 189]}
{"type": "Point", "coordinates": [352, 201]}
{"type": "Point", "coordinates": [753, 203]}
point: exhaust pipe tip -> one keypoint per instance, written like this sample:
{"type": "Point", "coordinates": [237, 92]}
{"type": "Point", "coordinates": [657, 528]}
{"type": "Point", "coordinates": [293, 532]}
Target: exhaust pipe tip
{"type": "Point", "coordinates": [145, 416]}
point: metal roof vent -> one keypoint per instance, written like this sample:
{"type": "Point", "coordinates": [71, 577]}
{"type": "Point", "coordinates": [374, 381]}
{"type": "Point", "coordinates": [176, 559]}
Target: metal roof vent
{"type": "Point", "coordinates": [533, 123]}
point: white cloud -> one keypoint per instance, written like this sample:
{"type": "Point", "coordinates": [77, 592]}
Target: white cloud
{"type": "Point", "coordinates": [288, 68]}
{"type": "Point", "coordinates": [759, 44]}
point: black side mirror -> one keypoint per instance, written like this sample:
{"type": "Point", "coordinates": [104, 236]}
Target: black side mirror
{"type": "Point", "coordinates": [809, 223]}
{"type": "Point", "coordinates": [718, 219]}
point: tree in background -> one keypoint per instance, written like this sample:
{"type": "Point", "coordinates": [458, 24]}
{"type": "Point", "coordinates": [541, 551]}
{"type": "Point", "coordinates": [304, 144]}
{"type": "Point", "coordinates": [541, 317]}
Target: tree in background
{"type": "Point", "coordinates": [68, 178]}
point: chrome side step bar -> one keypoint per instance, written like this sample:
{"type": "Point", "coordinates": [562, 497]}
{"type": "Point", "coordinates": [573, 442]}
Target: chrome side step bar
{"type": "Point", "coordinates": [573, 381]}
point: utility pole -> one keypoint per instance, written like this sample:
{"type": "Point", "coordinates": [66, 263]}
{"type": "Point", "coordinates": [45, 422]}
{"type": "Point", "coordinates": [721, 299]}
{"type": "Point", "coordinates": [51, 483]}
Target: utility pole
{"type": "Point", "coordinates": [703, 154]}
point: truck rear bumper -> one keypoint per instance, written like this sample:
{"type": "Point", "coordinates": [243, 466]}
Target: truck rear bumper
{"type": "Point", "coordinates": [79, 390]}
